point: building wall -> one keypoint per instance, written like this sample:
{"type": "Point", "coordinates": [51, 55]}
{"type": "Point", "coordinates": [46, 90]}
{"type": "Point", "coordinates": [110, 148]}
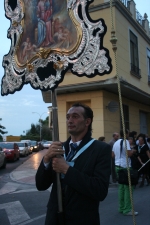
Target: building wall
{"type": "Point", "coordinates": [112, 119]}
{"type": "Point", "coordinates": [105, 123]}
{"type": "Point", "coordinates": [123, 53]}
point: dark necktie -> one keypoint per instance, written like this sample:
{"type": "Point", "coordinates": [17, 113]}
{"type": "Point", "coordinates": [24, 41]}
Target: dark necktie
{"type": "Point", "coordinates": [73, 147]}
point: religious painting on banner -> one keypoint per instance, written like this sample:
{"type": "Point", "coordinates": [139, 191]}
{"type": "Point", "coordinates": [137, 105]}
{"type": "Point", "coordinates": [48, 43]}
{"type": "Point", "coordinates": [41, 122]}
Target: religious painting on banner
{"type": "Point", "coordinates": [46, 25]}
{"type": "Point", "coordinates": [49, 37]}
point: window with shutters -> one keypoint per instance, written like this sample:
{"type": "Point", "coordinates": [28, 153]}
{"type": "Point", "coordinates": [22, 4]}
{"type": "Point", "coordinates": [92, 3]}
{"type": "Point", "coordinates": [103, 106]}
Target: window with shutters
{"type": "Point", "coordinates": [134, 56]}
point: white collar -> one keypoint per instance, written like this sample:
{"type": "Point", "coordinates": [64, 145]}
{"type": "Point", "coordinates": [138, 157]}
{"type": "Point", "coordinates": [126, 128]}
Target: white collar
{"type": "Point", "coordinates": [78, 142]}
{"type": "Point", "coordinates": [141, 146]}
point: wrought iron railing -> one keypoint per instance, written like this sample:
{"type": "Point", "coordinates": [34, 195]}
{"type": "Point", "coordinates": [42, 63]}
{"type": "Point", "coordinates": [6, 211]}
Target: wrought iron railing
{"type": "Point", "coordinates": [139, 18]}
{"type": "Point", "coordinates": [125, 2]}
{"type": "Point", "coordinates": [135, 70]}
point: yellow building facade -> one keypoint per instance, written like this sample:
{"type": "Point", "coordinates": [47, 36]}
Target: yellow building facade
{"type": "Point", "coordinates": [132, 64]}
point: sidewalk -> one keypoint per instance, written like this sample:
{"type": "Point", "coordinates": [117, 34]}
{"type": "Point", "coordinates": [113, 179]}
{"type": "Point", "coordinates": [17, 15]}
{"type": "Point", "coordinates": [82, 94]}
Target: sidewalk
{"type": "Point", "coordinates": [25, 173]}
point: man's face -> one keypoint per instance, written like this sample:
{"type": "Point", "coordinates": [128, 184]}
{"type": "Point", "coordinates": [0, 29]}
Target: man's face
{"type": "Point", "coordinates": [76, 123]}
{"type": "Point", "coordinates": [130, 141]}
{"type": "Point", "coordinates": [116, 137]}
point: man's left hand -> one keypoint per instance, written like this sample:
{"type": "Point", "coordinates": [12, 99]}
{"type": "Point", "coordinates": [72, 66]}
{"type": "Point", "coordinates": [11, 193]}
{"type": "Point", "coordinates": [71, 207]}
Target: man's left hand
{"type": "Point", "coordinates": [59, 165]}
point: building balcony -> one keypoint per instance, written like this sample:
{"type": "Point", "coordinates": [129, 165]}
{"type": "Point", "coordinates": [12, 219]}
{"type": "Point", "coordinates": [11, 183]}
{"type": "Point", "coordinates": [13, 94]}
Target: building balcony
{"type": "Point", "coordinates": [142, 20]}
{"type": "Point", "coordinates": [126, 3]}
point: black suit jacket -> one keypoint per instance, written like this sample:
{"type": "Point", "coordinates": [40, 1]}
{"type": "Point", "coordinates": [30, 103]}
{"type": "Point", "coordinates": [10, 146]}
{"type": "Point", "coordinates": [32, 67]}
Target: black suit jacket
{"type": "Point", "coordinates": [86, 184]}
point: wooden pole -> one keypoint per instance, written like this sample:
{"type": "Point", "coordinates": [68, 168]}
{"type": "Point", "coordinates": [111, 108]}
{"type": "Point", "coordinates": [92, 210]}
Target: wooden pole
{"type": "Point", "coordinates": [56, 138]}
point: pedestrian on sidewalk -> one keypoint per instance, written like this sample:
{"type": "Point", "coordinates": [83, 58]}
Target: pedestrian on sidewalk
{"type": "Point", "coordinates": [85, 170]}
{"type": "Point", "coordinates": [143, 157]}
{"type": "Point", "coordinates": [115, 137]}
{"type": "Point", "coordinates": [119, 152]}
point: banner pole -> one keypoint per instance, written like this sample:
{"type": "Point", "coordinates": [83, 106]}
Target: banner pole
{"type": "Point", "coordinates": [144, 165]}
{"type": "Point", "coordinates": [56, 138]}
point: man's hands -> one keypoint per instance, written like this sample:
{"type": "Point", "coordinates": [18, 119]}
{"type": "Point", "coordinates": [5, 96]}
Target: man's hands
{"type": "Point", "coordinates": [55, 153]}
{"type": "Point", "coordinates": [59, 165]}
{"type": "Point", "coordinates": [54, 150]}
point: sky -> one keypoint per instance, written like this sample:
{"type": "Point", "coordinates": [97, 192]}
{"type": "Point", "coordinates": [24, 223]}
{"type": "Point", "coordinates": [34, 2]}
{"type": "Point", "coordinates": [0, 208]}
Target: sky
{"type": "Point", "coordinates": [16, 109]}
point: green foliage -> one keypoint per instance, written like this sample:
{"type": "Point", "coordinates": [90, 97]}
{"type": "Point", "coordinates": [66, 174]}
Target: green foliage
{"type": "Point", "coordinates": [46, 133]}
{"type": "Point", "coordinates": [1, 138]}
{"type": "Point", "coordinates": [30, 137]}
{"type": "Point", "coordinates": [2, 128]}
{"type": "Point", "coordinates": [34, 132]}
{"type": "Point", "coordinates": [45, 122]}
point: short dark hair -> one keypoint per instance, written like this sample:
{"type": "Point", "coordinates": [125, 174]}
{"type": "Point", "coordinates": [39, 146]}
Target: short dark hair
{"type": "Point", "coordinates": [114, 134]}
{"type": "Point", "coordinates": [143, 137]}
{"type": "Point", "coordinates": [130, 138]}
{"type": "Point", "coordinates": [88, 113]}
{"type": "Point", "coordinates": [101, 138]}
{"type": "Point", "coordinates": [132, 133]}
{"type": "Point", "coordinates": [126, 132]}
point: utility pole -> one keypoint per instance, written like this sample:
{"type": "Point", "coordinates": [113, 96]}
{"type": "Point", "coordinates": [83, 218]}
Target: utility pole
{"type": "Point", "coordinates": [40, 122]}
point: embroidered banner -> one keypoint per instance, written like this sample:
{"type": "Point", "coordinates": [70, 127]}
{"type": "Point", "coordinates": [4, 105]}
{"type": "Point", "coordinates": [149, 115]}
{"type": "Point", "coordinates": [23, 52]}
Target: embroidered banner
{"type": "Point", "coordinates": [49, 37]}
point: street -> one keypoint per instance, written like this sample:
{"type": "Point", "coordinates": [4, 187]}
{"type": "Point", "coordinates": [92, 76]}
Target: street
{"type": "Point", "coordinates": [21, 203]}
{"type": "Point", "coordinates": [109, 208]}
{"type": "Point", "coordinates": [10, 166]}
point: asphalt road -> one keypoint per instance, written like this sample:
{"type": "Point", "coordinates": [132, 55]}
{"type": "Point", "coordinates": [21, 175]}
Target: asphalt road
{"type": "Point", "coordinates": [20, 203]}
{"type": "Point", "coordinates": [10, 166]}
{"type": "Point", "coordinates": [109, 208]}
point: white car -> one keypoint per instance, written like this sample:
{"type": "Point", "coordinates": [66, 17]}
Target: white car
{"type": "Point", "coordinates": [47, 144]}
{"type": "Point", "coordinates": [23, 147]}
{"type": "Point", "coordinates": [2, 159]}
{"type": "Point", "coordinates": [29, 144]}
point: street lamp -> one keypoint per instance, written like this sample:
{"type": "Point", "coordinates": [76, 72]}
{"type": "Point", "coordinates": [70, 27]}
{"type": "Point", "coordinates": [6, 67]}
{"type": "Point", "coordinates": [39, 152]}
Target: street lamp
{"type": "Point", "coordinates": [40, 121]}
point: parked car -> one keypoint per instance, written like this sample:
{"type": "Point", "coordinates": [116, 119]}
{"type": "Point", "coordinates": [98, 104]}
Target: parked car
{"type": "Point", "coordinates": [27, 141]}
{"type": "Point", "coordinates": [2, 159]}
{"type": "Point", "coordinates": [34, 146]}
{"type": "Point", "coordinates": [11, 150]}
{"type": "Point", "coordinates": [24, 149]}
{"type": "Point", "coordinates": [47, 144]}
{"type": "Point", "coordinates": [29, 144]}
{"type": "Point", "coordinates": [40, 144]}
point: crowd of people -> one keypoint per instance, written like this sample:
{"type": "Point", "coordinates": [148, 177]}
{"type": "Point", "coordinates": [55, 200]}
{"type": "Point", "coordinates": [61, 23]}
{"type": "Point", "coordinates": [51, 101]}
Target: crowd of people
{"type": "Point", "coordinates": [140, 143]}
{"type": "Point", "coordinates": [138, 152]}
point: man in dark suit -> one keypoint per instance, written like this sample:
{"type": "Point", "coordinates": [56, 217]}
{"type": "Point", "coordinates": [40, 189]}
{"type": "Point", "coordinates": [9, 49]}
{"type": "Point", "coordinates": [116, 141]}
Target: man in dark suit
{"type": "Point", "coordinates": [84, 178]}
